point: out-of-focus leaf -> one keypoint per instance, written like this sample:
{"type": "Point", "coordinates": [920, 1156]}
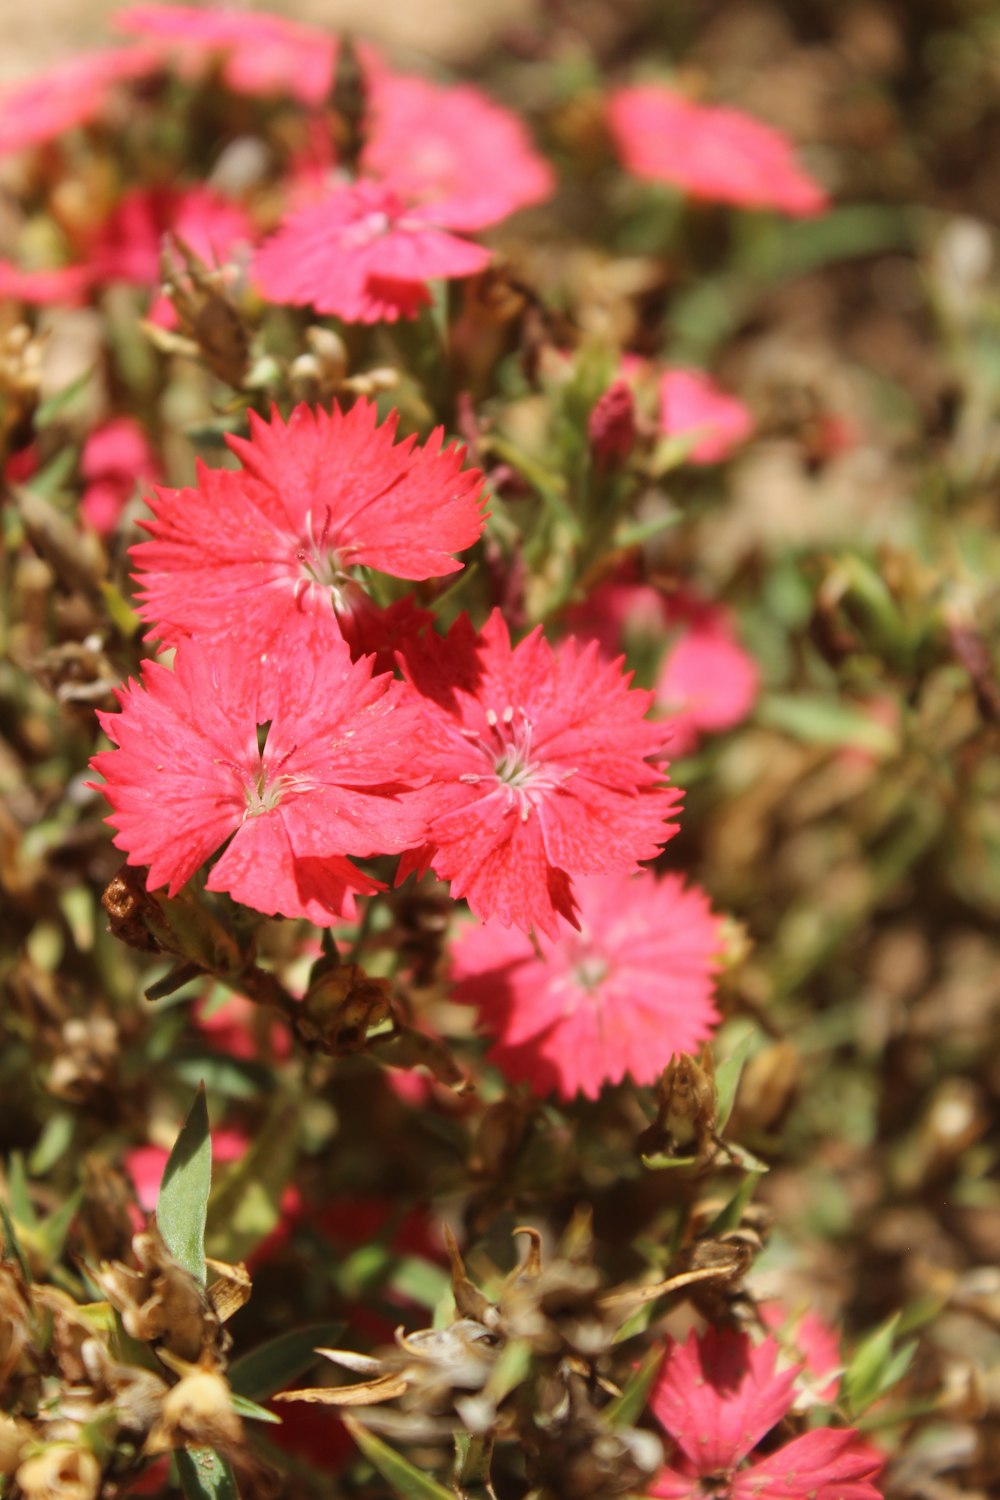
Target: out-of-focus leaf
{"type": "Point", "coordinates": [729, 1217]}
{"type": "Point", "coordinates": [271, 1366]}
{"type": "Point", "coordinates": [875, 1367]}
{"type": "Point", "coordinates": [12, 1244]}
{"type": "Point", "coordinates": [205, 1476]}
{"type": "Point", "coordinates": [232, 1077]}
{"type": "Point", "coordinates": [727, 1079]}
{"type": "Point", "coordinates": [17, 1187]}
{"type": "Point", "coordinates": [182, 1205]}
{"type": "Point", "coordinates": [54, 406]}
{"type": "Point", "coordinates": [420, 1280]}
{"type": "Point", "coordinates": [626, 1409]}
{"type": "Point", "coordinates": [824, 721]}
{"type": "Point", "coordinates": [53, 1141]}
{"type": "Point", "coordinates": [254, 1413]}
{"type": "Point", "coordinates": [405, 1478]}
{"type": "Point", "coordinates": [246, 1203]}
{"type": "Point", "coordinates": [123, 616]}
{"type": "Point", "coordinates": [51, 1234]}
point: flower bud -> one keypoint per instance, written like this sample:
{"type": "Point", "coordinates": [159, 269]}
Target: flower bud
{"type": "Point", "coordinates": [611, 427]}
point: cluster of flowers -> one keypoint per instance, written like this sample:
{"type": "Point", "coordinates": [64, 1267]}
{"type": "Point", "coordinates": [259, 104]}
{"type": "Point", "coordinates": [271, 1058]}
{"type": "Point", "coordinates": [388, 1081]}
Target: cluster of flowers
{"type": "Point", "coordinates": [302, 726]}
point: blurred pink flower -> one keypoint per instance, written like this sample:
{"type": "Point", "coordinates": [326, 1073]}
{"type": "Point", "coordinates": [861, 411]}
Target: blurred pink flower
{"type": "Point", "coordinates": [129, 245]}
{"type": "Point", "coordinates": [620, 996]}
{"type": "Point", "coordinates": [814, 1343]}
{"type": "Point", "coordinates": [59, 285]}
{"type": "Point", "coordinates": [115, 459]}
{"type": "Point", "coordinates": [692, 405]}
{"type": "Point", "coordinates": [717, 1396]}
{"type": "Point", "coordinates": [706, 681]}
{"type": "Point", "coordinates": [363, 254]}
{"type": "Point", "coordinates": [711, 152]}
{"type": "Point", "coordinates": [70, 93]}
{"type": "Point", "coordinates": [261, 54]}
{"type": "Point", "coordinates": [450, 149]}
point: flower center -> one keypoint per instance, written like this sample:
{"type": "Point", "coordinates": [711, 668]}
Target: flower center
{"type": "Point", "coordinates": [507, 746]}
{"type": "Point", "coordinates": [320, 563]}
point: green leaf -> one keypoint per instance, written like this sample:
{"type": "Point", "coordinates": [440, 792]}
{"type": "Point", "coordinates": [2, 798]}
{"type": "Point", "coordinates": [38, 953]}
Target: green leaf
{"type": "Point", "coordinates": [13, 1246]}
{"type": "Point", "coordinates": [626, 1409]}
{"type": "Point", "coordinates": [205, 1476]}
{"type": "Point", "coordinates": [232, 1077]}
{"type": "Point", "coordinates": [246, 1203]}
{"type": "Point", "coordinates": [54, 1140]}
{"type": "Point", "coordinates": [182, 1206]}
{"type": "Point", "coordinates": [867, 1375]}
{"type": "Point", "coordinates": [727, 1079]}
{"type": "Point", "coordinates": [254, 1413]}
{"type": "Point", "coordinates": [57, 403]}
{"type": "Point", "coordinates": [825, 721]}
{"type": "Point", "coordinates": [273, 1365]}
{"type": "Point", "coordinates": [658, 1162]}
{"type": "Point", "coordinates": [405, 1478]}
{"type": "Point", "coordinates": [51, 1235]}
{"type": "Point", "coordinates": [17, 1187]}
{"type": "Point", "coordinates": [123, 616]}
{"type": "Point", "coordinates": [729, 1217]}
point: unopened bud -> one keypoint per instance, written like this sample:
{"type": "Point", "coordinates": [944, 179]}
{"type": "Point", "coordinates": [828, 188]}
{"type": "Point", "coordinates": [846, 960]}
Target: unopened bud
{"type": "Point", "coordinates": [611, 427]}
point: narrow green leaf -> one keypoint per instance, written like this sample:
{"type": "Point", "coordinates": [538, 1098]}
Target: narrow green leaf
{"type": "Point", "coordinates": [825, 721]}
{"type": "Point", "coordinates": [51, 1235]}
{"type": "Point", "coordinates": [12, 1244]}
{"type": "Point", "coordinates": [57, 403]}
{"type": "Point", "coordinates": [405, 1478]}
{"type": "Point", "coordinates": [17, 1187]}
{"type": "Point", "coordinates": [273, 1365]}
{"type": "Point", "coordinates": [52, 1143]}
{"type": "Point", "coordinates": [730, 1216]}
{"type": "Point", "coordinates": [253, 1413]}
{"type": "Point", "coordinates": [626, 1409]}
{"type": "Point", "coordinates": [865, 1373]}
{"type": "Point", "coordinates": [182, 1206]}
{"type": "Point", "coordinates": [727, 1079]}
{"type": "Point", "coordinates": [205, 1476]}
{"type": "Point", "coordinates": [123, 616]}
{"type": "Point", "coordinates": [659, 1162]}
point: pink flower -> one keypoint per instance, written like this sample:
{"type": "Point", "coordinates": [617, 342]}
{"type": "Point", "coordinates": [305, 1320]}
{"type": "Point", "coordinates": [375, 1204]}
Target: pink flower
{"type": "Point", "coordinates": [540, 767]}
{"type": "Point", "coordinates": [706, 681]}
{"type": "Point", "coordinates": [362, 254]}
{"type": "Point", "coordinates": [268, 555]}
{"type": "Point", "coordinates": [719, 154]}
{"type": "Point", "coordinates": [717, 1396]}
{"type": "Point", "coordinates": [812, 1341]}
{"type": "Point", "coordinates": [692, 405]}
{"type": "Point", "coordinates": [451, 149]}
{"type": "Point", "coordinates": [130, 243]}
{"type": "Point", "coordinates": [69, 94]}
{"type": "Point", "coordinates": [65, 285]}
{"type": "Point", "coordinates": [115, 458]}
{"type": "Point", "coordinates": [633, 986]}
{"type": "Point", "coordinates": [333, 777]}
{"type": "Point", "coordinates": [611, 427]}
{"type": "Point", "coordinates": [261, 54]}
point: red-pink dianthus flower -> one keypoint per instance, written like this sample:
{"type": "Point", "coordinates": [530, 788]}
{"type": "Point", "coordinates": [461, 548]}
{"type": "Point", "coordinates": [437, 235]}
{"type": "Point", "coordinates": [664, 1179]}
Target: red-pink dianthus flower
{"type": "Point", "coordinates": [271, 552]}
{"type": "Point", "coordinates": [709, 151]}
{"type": "Point", "coordinates": [541, 768]}
{"type": "Point", "coordinates": [129, 245]}
{"type": "Point", "coordinates": [705, 681]}
{"type": "Point", "coordinates": [693, 406]}
{"type": "Point", "coordinates": [115, 458]}
{"type": "Point", "coordinates": [450, 148]}
{"type": "Point", "coordinates": [717, 1396]}
{"type": "Point", "coordinates": [71, 93]}
{"type": "Point", "coordinates": [333, 779]}
{"type": "Point", "coordinates": [620, 996]}
{"type": "Point", "coordinates": [363, 254]}
{"type": "Point", "coordinates": [261, 54]}
{"type": "Point", "coordinates": [58, 285]}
